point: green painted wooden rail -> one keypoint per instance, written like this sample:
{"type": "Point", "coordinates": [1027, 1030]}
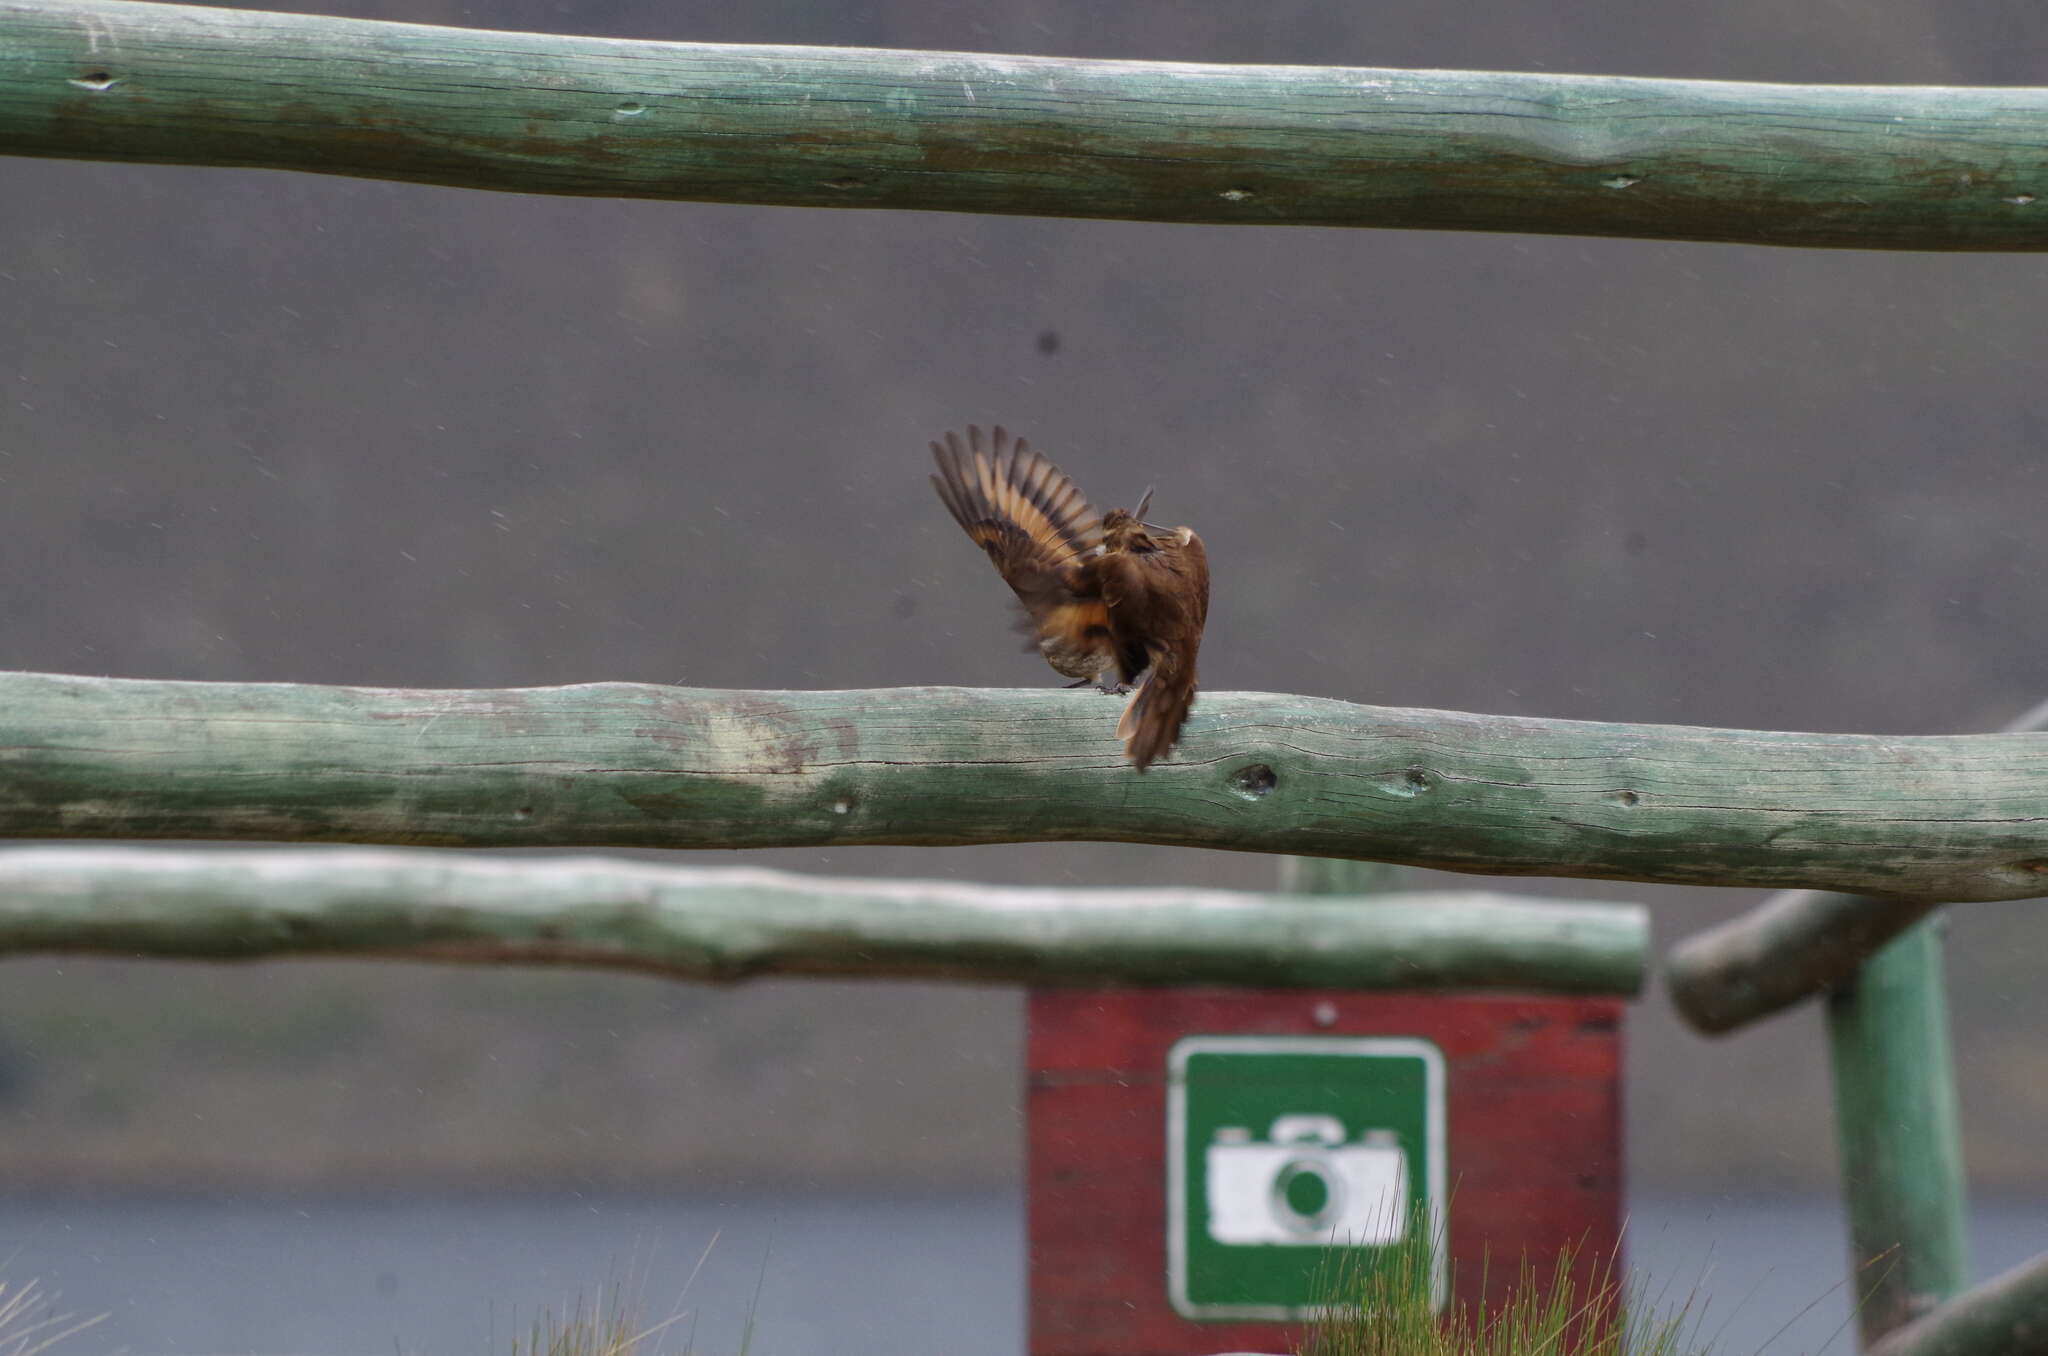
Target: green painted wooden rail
{"type": "Point", "coordinates": [1879, 964]}
{"type": "Point", "coordinates": [1900, 1133]}
{"type": "Point", "coordinates": [735, 923]}
{"type": "Point", "coordinates": [1875, 167]}
{"type": "Point", "coordinates": [1943, 817]}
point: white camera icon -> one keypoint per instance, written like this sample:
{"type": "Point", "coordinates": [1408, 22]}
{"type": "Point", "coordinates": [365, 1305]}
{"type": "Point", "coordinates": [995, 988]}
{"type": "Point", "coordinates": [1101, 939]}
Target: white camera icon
{"type": "Point", "coordinates": [1305, 1187]}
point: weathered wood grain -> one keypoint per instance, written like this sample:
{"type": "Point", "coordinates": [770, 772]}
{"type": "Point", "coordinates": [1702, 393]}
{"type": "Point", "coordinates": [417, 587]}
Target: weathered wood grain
{"type": "Point", "coordinates": [1792, 947]}
{"type": "Point", "coordinates": [730, 923]}
{"type": "Point", "coordinates": [1899, 1127]}
{"type": "Point", "coordinates": [2005, 1316]}
{"type": "Point", "coordinates": [1952, 817]}
{"type": "Point", "coordinates": [1860, 166]}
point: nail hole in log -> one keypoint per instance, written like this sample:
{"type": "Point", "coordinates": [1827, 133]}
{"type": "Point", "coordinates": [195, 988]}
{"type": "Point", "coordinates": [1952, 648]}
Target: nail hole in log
{"type": "Point", "coordinates": [1409, 781]}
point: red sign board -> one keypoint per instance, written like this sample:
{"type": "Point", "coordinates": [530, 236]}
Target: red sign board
{"type": "Point", "coordinates": [1176, 1137]}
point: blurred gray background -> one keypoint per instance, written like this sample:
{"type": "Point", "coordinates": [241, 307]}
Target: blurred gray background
{"type": "Point", "coordinates": [276, 426]}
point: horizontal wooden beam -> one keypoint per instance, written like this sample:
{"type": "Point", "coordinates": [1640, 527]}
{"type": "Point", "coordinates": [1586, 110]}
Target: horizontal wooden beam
{"type": "Point", "coordinates": [1796, 945]}
{"type": "Point", "coordinates": [736, 923]}
{"type": "Point", "coordinates": [2005, 1316]}
{"type": "Point", "coordinates": [1859, 166]}
{"type": "Point", "coordinates": [1950, 817]}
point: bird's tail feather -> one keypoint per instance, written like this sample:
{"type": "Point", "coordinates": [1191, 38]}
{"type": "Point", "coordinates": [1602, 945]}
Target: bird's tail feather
{"type": "Point", "coordinates": [1154, 715]}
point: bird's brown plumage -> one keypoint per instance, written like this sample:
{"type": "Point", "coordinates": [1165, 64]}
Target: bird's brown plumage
{"type": "Point", "coordinates": [1155, 587]}
{"type": "Point", "coordinates": [1040, 534]}
{"type": "Point", "coordinates": [1099, 594]}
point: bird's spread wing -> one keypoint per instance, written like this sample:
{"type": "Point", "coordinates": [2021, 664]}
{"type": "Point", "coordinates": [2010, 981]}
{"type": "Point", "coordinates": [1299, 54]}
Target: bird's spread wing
{"type": "Point", "coordinates": [1036, 526]}
{"type": "Point", "coordinates": [1017, 506]}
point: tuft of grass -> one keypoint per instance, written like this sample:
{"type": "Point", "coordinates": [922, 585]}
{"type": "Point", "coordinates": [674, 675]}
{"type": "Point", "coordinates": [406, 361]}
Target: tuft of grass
{"type": "Point", "coordinates": [611, 1326]}
{"type": "Point", "coordinates": [1382, 1303]}
{"type": "Point", "coordinates": [28, 1324]}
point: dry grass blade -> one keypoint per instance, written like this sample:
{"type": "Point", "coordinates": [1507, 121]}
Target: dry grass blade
{"type": "Point", "coordinates": [27, 1324]}
{"type": "Point", "coordinates": [612, 1325]}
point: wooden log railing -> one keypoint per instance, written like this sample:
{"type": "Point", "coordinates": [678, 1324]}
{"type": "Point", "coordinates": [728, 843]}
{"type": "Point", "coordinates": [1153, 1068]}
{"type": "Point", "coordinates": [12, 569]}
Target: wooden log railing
{"type": "Point", "coordinates": [1793, 946]}
{"type": "Point", "coordinates": [2004, 1316]}
{"type": "Point", "coordinates": [1939, 817]}
{"type": "Point", "coordinates": [735, 923]}
{"type": "Point", "coordinates": [1879, 963]}
{"type": "Point", "coordinates": [1876, 167]}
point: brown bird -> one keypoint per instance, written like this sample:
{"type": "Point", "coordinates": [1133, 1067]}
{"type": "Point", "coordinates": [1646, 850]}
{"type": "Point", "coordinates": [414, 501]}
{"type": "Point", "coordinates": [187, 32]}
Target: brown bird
{"type": "Point", "coordinates": [1101, 595]}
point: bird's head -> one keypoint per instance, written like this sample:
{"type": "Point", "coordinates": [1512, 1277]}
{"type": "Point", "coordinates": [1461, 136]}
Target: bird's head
{"type": "Point", "coordinates": [1127, 530]}
{"type": "Point", "coordinates": [1121, 531]}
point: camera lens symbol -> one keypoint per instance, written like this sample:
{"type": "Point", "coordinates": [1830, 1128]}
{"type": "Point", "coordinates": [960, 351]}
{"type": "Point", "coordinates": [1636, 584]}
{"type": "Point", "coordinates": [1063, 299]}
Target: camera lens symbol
{"type": "Point", "coordinates": [1307, 1198]}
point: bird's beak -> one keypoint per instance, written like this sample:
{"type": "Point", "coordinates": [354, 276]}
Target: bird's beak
{"type": "Point", "coordinates": [1143, 504]}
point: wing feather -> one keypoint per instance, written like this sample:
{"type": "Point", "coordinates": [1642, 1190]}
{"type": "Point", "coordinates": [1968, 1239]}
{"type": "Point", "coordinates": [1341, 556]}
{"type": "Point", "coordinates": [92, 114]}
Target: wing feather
{"type": "Point", "coordinates": [1039, 532]}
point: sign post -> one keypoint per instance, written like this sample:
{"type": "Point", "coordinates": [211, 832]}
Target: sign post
{"type": "Point", "coordinates": [1196, 1155]}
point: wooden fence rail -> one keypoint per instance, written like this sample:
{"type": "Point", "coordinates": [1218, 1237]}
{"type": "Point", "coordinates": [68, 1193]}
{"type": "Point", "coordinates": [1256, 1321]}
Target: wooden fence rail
{"type": "Point", "coordinates": [2005, 1316]}
{"type": "Point", "coordinates": [1793, 946]}
{"type": "Point", "coordinates": [1951, 817]}
{"type": "Point", "coordinates": [1860, 166]}
{"type": "Point", "coordinates": [736, 923]}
